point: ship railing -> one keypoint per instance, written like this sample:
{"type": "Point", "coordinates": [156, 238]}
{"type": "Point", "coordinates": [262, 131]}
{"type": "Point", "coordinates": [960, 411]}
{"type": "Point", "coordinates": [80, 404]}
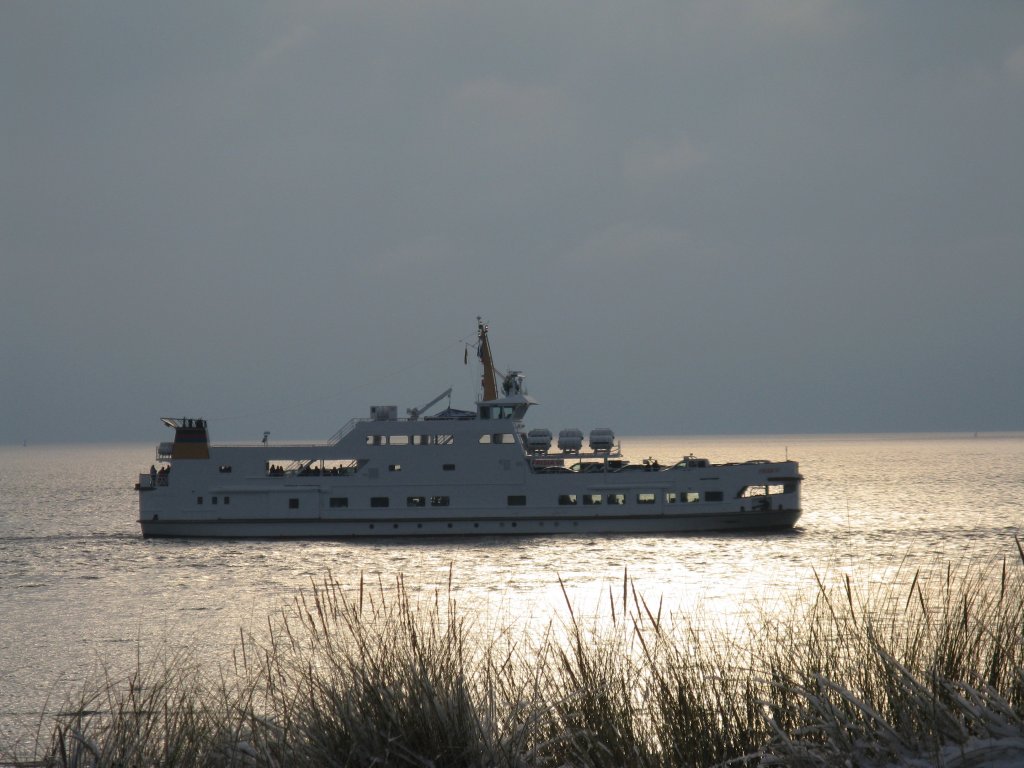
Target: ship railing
{"type": "Point", "coordinates": [148, 481]}
{"type": "Point", "coordinates": [338, 436]}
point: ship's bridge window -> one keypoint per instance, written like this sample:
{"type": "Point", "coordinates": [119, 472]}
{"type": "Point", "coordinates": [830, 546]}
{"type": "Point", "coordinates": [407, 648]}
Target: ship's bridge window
{"type": "Point", "coordinates": [416, 501]}
{"type": "Point", "coordinates": [517, 501]}
{"type": "Point", "coordinates": [713, 496]}
{"type": "Point", "coordinates": [497, 439]}
{"type": "Point", "coordinates": [690, 497]}
{"type": "Point", "coordinates": [617, 499]}
{"type": "Point", "coordinates": [645, 498]}
{"type": "Point", "coordinates": [591, 499]}
{"type": "Point", "coordinates": [496, 411]}
{"type": "Point", "coordinates": [567, 499]}
{"type": "Point", "coordinates": [440, 501]}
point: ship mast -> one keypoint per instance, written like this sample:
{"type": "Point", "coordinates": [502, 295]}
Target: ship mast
{"type": "Point", "coordinates": [483, 351]}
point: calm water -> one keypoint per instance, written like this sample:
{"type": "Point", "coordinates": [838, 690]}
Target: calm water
{"type": "Point", "coordinates": [79, 588]}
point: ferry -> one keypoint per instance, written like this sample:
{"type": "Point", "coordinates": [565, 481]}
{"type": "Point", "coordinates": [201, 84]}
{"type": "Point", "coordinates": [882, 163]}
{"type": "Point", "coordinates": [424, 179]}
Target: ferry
{"type": "Point", "coordinates": [453, 472]}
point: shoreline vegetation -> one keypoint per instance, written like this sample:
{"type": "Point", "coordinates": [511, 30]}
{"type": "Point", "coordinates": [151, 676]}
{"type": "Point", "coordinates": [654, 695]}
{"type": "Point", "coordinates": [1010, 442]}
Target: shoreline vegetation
{"type": "Point", "coordinates": [928, 670]}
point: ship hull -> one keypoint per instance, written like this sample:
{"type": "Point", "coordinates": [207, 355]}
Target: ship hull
{"type": "Point", "coordinates": [521, 525]}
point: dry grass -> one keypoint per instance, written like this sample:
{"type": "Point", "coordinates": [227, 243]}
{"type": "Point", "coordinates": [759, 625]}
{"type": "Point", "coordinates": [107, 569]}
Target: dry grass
{"type": "Point", "coordinates": [932, 674]}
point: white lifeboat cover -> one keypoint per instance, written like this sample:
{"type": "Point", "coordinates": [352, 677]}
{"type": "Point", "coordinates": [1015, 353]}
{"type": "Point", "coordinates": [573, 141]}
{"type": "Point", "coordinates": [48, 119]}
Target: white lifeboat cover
{"type": "Point", "coordinates": [570, 440]}
{"type": "Point", "coordinates": [602, 439]}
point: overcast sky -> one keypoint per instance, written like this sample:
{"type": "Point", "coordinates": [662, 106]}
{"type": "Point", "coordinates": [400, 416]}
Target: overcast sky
{"type": "Point", "coordinates": [707, 217]}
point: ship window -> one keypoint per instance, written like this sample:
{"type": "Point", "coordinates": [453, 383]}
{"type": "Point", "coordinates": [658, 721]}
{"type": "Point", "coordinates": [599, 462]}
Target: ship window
{"type": "Point", "coordinates": [399, 440]}
{"type": "Point", "coordinates": [227, 499]}
{"type": "Point", "coordinates": [225, 468]}
{"type": "Point", "coordinates": [380, 501]}
{"type": "Point", "coordinates": [444, 439]}
{"type": "Point", "coordinates": [591, 499]}
{"type": "Point", "coordinates": [213, 500]}
{"type": "Point", "coordinates": [306, 467]}
{"type": "Point", "coordinates": [517, 501]}
{"type": "Point", "coordinates": [416, 501]}
{"type": "Point", "coordinates": [761, 490]}
{"type": "Point", "coordinates": [690, 497]}
{"type": "Point", "coordinates": [199, 499]}
{"type": "Point", "coordinates": [440, 501]}
{"type": "Point", "coordinates": [645, 498]}
{"type": "Point", "coordinates": [789, 488]}
{"type": "Point", "coordinates": [567, 499]}
{"type": "Point", "coordinates": [670, 497]}
{"type": "Point", "coordinates": [448, 467]}
{"type": "Point", "coordinates": [376, 439]}
{"type": "Point", "coordinates": [617, 498]}
{"type": "Point", "coordinates": [713, 496]}
{"type": "Point", "coordinates": [293, 503]}
{"type": "Point", "coordinates": [339, 501]}
{"type": "Point", "coordinates": [394, 467]}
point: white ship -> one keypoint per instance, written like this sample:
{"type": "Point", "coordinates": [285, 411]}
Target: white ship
{"type": "Point", "coordinates": [453, 473]}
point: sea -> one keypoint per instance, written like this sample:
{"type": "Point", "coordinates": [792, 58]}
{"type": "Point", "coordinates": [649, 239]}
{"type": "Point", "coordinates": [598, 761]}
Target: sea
{"type": "Point", "coordinates": [83, 597]}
